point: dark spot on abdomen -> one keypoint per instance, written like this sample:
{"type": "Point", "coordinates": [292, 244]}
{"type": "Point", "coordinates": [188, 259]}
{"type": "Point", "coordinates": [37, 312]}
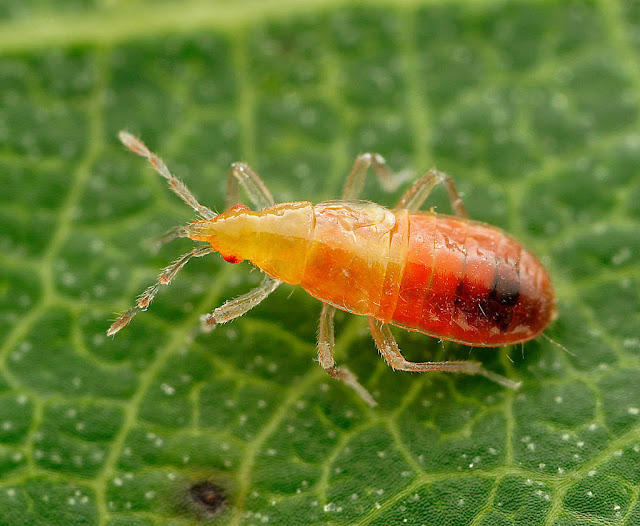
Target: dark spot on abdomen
{"type": "Point", "coordinates": [501, 300]}
{"type": "Point", "coordinates": [506, 287]}
{"type": "Point", "coordinates": [497, 315]}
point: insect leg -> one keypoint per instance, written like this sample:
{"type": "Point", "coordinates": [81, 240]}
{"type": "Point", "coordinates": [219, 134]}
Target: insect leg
{"type": "Point", "coordinates": [388, 347]}
{"type": "Point", "coordinates": [257, 191]}
{"type": "Point", "coordinates": [236, 307]}
{"type": "Point", "coordinates": [355, 180]}
{"type": "Point", "coordinates": [325, 355]}
{"type": "Point", "coordinates": [418, 193]}
{"type": "Point", "coordinates": [138, 147]}
{"type": "Point", "coordinates": [165, 278]}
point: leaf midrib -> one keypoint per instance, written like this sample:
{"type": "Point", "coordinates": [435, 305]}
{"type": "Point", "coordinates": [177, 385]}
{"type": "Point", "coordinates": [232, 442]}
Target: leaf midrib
{"type": "Point", "coordinates": [110, 26]}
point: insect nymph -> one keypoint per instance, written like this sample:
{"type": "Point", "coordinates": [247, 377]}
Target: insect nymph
{"type": "Point", "coordinates": [445, 276]}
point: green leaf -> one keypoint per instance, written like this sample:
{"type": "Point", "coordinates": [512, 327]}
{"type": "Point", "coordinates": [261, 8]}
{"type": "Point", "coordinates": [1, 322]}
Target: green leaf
{"type": "Point", "coordinates": [533, 107]}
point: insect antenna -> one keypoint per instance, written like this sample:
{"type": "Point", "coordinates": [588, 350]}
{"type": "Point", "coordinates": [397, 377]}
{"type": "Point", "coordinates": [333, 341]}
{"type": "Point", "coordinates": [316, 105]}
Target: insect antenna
{"type": "Point", "coordinates": [162, 239]}
{"type": "Point", "coordinates": [165, 278]}
{"type": "Point", "coordinates": [558, 344]}
{"type": "Point", "coordinates": [139, 148]}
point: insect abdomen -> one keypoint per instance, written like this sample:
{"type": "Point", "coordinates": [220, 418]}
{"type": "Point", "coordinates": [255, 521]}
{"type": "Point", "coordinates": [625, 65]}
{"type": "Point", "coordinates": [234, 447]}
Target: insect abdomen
{"type": "Point", "coordinates": [472, 283]}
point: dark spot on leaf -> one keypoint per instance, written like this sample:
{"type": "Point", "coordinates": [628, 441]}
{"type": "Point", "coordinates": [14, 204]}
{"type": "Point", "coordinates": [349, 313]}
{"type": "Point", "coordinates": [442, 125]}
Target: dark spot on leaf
{"type": "Point", "coordinates": [208, 496]}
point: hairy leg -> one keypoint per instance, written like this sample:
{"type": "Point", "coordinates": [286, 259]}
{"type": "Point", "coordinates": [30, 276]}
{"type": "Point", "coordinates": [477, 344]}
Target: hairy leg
{"type": "Point", "coordinates": [418, 193]}
{"type": "Point", "coordinates": [236, 307]}
{"type": "Point", "coordinates": [325, 356]}
{"type": "Point", "coordinates": [355, 180]}
{"type": "Point", "coordinates": [390, 351]}
{"type": "Point", "coordinates": [259, 195]}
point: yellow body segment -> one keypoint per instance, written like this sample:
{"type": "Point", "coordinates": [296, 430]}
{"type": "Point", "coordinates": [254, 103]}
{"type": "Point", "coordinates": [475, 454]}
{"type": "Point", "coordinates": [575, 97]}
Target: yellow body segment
{"type": "Point", "coordinates": [348, 254]}
{"type": "Point", "coordinates": [275, 239]}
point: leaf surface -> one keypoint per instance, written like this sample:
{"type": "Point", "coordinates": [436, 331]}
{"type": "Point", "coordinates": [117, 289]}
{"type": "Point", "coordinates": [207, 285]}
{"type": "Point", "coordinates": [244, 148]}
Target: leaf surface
{"type": "Point", "coordinates": [531, 106]}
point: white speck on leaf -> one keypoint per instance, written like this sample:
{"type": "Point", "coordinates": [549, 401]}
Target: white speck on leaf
{"type": "Point", "coordinates": [168, 390]}
{"type": "Point", "coordinates": [621, 256]}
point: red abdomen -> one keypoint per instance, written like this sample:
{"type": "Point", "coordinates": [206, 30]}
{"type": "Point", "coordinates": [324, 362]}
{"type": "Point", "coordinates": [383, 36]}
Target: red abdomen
{"type": "Point", "coordinates": [472, 283]}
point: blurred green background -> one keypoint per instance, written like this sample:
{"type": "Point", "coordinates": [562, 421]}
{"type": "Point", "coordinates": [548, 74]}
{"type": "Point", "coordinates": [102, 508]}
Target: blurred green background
{"type": "Point", "coordinates": [532, 106]}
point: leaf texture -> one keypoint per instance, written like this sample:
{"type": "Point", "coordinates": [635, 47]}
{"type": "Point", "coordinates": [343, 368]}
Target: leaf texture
{"type": "Point", "coordinates": [531, 106]}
